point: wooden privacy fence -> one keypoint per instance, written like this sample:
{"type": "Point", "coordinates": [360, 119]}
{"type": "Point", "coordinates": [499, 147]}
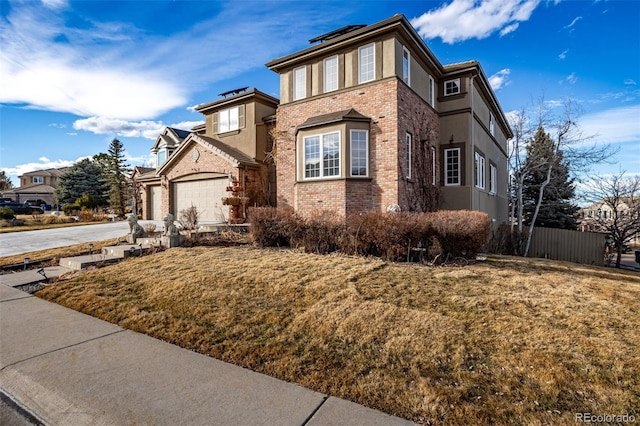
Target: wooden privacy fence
{"type": "Point", "coordinates": [572, 246]}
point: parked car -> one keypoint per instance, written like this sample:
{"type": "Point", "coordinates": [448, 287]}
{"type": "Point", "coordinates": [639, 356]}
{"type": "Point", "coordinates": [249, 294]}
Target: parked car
{"type": "Point", "coordinates": [19, 208]}
{"type": "Point", "coordinates": [6, 200]}
{"type": "Point", "coordinates": [37, 202]}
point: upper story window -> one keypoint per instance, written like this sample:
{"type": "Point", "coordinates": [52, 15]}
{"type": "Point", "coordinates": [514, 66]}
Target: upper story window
{"type": "Point", "coordinates": [432, 92]}
{"type": "Point", "coordinates": [38, 179]}
{"type": "Point", "coordinates": [366, 63]}
{"type": "Point", "coordinates": [299, 83]}
{"type": "Point", "coordinates": [433, 165]}
{"type": "Point", "coordinates": [452, 166]}
{"type": "Point", "coordinates": [359, 153]}
{"type": "Point", "coordinates": [322, 155]}
{"type": "Point", "coordinates": [479, 171]}
{"type": "Point", "coordinates": [493, 179]}
{"type": "Point", "coordinates": [331, 74]}
{"type": "Point", "coordinates": [492, 124]}
{"type": "Point", "coordinates": [228, 120]}
{"type": "Point", "coordinates": [452, 87]}
{"type": "Point", "coordinates": [406, 66]}
{"type": "Point", "coordinates": [408, 155]}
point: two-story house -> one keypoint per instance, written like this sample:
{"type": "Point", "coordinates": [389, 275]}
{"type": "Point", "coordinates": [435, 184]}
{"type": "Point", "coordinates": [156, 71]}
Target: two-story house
{"type": "Point", "coordinates": [39, 186]}
{"type": "Point", "coordinates": [195, 168]}
{"type": "Point", "coordinates": [370, 119]}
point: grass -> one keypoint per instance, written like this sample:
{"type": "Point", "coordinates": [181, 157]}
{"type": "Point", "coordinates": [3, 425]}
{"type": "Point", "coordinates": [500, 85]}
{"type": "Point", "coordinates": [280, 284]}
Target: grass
{"type": "Point", "coordinates": [505, 341]}
{"type": "Point", "coordinates": [56, 253]}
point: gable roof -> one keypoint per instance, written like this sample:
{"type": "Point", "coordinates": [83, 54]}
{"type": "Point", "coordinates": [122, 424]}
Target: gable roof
{"type": "Point", "coordinates": [171, 137]}
{"type": "Point", "coordinates": [333, 117]}
{"type": "Point", "coordinates": [47, 172]}
{"type": "Point", "coordinates": [232, 155]}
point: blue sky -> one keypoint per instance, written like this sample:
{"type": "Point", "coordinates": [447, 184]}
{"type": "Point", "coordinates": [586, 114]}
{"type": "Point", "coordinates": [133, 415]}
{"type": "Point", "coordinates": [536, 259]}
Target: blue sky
{"type": "Point", "coordinates": [74, 75]}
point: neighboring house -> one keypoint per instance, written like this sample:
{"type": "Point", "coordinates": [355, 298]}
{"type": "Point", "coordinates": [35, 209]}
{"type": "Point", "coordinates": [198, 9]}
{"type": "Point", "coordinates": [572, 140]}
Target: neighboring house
{"type": "Point", "coordinates": [197, 168]}
{"type": "Point", "coordinates": [597, 216]}
{"type": "Point", "coordinates": [36, 185]}
{"type": "Point", "coordinates": [369, 119]}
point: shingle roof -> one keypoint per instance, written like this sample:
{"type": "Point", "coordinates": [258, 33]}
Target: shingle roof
{"type": "Point", "coordinates": [230, 151]}
{"type": "Point", "coordinates": [333, 117]}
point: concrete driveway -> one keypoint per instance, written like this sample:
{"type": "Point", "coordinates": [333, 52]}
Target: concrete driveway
{"type": "Point", "coordinates": [28, 241]}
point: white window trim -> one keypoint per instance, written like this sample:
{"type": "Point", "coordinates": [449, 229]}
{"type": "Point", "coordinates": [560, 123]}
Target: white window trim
{"type": "Point", "coordinates": [492, 124]}
{"type": "Point", "coordinates": [302, 87]}
{"type": "Point", "coordinates": [322, 176]}
{"type": "Point", "coordinates": [408, 147]}
{"type": "Point", "coordinates": [456, 81]}
{"type": "Point", "coordinates": [433, 165]}
{"type": "Point", "coordinates": [446, 168]}
{"type": "Point", "coordinates": [432, 95]}
{"type": "Point", "coordinates": [479, 170]}
{"type": "Point", "coordinates": [325, 74]}
{"type": "Point", "coordinates": [360, 49]}
{"type": "Point", "coordinates": [407, 54]}
{"type": "Point", "coordinates": [493, 176]}
{"type": "Point", "coordinates": [228, 114]}
{"type": "Point", "coordinates": [366, 132]}
{"type": "Point", "coordinates": [38, 179]}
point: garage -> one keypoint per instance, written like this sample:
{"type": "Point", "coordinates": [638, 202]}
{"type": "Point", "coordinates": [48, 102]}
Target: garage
{"type": "Point", "coordinates": [205, 195]}
{"type": "Point", "coordinates": [155, 202]}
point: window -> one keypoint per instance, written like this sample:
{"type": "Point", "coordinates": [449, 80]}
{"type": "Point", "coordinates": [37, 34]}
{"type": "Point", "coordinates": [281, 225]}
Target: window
{"type": "Point", "coordinates": [479, 171]}
{"type": "Point", "coordinates": [406, 63]}
{"type": "Point", "coordinates": [452, 166]}
{"type": "Point", "coordinates": [161, 158]}
{"type": "Point", "coordinates": [492, 124]}
{"type": "Point", "coordinates": [228, 120]}
{"type": "Point", "coordinates": [452, 87]}
{"type": "Point", "coordinates": [322, 155]}
{"type": "Point", "coordinates": [408, 159]}
{"type": "Point", "coordinates": [433, 165]}
{"type": "Point", "coordinates": [38, 179]}
{"type": "Point", "coordinates": [331, 74]}
{"type": "Point", "coordinates": [366, 63]}
{"type": "Point", "coordinates": [299, 83]}
{"type": "Point", "coordinates": [432, 94]}
{"type": "Point", "coordinates": [359, 153]}
{"type": "Point", "coordinates": [493, 179]}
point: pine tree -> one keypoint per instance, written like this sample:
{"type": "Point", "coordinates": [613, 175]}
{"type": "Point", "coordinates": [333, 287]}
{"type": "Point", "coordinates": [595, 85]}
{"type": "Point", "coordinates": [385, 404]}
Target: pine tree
{"type": "Point", "coordinates": [116, 172]}
{"type": "Point", "coordinates": [556, 209]}
{"type": "Point", "coordinates": [84, 177]}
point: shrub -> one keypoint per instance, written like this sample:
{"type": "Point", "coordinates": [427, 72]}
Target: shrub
{"type": "Point", "coordinates": [189, 218]}
{"type": "Point", "coordinates": [70, 209]}
{"type": "Point", "coordinates": [461, 232]}
{"type": "Point", "coordinates": [323, 232]}
{"type": "Point", "coordinates": [150, 228]}
{"type": "Point", "coordinates": [274, 226]}
{"type": "Point", "coordinates": [86, 215]}
{"type": "Point", "coordinates": [6, 213]}
{"type": "Point", "coordinates": [86, 201]}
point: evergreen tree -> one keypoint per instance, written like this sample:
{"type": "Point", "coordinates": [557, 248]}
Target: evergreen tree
{"type": "Point", "coordinates": [5, 181]}
{"type": "Point", "coordinates": [556, 209]}
{"type": "Point", "coordinates": [116, 172]}
{"type": "Point", "coordinates": [84, 177]}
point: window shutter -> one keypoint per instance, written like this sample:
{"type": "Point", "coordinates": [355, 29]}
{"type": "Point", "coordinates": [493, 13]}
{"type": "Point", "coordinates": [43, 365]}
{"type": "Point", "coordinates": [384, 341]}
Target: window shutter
{"type": "Point", "coordinates": [214, 121]}
{"type": "Point", "coordinates": [241, 117]}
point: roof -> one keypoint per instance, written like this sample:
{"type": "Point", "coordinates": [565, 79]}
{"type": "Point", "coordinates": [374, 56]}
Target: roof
{"type": "Point", "coordinates": [243, 96]}
{"type": "Point", "coordinates": [38, 188]}
{"type": "Point", "coordinates": [48, 172]}
{"type": "Point", "coordinates": [333, 117]}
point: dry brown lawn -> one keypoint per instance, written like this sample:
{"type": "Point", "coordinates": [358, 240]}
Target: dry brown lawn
{"type": "Point", "coordinates": [56, 253]}
{"type": "Point", "coordinates": [505, 341]}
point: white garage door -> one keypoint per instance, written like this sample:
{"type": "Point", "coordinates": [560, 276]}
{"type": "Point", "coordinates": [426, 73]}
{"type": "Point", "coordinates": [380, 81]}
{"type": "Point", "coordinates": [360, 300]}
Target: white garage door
{"type": "Point", "coordinates": [155, 203]}
{"type": "Point", "coordinates": [205, 195]}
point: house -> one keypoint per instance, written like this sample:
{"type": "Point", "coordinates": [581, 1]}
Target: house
{"type": "Point", "coordinates": [37, 185]}
{"type": "Point", "coordinates": [222, 158]}
{"type": "Point", "coordinates": [369, 119]}
{"type": "Point", "coordinates": [601, 215]}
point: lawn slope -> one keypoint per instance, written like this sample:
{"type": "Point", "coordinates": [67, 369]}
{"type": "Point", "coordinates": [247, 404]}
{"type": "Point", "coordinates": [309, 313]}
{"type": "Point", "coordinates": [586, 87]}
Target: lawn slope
{"type": "Point", "coordinates": [506, 341]}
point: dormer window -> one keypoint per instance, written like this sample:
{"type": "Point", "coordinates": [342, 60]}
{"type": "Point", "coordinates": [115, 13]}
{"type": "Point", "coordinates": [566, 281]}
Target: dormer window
{"type": "Point", "coordinates": [38, 179]}
{"type": "Point", "coordinates": [452, 87]}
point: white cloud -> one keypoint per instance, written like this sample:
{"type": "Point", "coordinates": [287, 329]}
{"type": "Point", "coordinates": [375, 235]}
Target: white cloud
{"type": "Point", "coordinates": [460, 20]}
{"type": "Point", "coordinates": [114, 69]}
{"type": "Point", "coordinates": [55, 4]}
{"type": "Point", "coordinates": [630, 82]}
{"type": "Point", "coordinates": [574, 22]}
{"type": "Point", "coordinates": [500, 79]}
{"type": "Point", "coordinates": [571, 78]}
{"type": "Point", "coordinates": [614, 126]}
{"type": "Point", "coordinates": [132, 129]}
{"type": "Point", "coordinates": [563, 55]}
{"type": "Point", "coordinates": [43, 163]}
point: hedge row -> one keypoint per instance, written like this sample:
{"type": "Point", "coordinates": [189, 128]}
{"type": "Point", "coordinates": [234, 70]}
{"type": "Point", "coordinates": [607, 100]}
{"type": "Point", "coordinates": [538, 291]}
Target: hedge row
{"type": "Point", "coordinates": [392, 236]}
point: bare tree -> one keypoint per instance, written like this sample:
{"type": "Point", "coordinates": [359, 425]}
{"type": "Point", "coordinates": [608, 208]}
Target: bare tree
{"type": "Point", "coordinates": [568, 142]}
{"type": "Point", "coordinates": [617, 199]}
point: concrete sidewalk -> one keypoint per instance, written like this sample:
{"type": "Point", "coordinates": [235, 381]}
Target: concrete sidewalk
{"type": "Point", "coordinates": [67, 368]}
